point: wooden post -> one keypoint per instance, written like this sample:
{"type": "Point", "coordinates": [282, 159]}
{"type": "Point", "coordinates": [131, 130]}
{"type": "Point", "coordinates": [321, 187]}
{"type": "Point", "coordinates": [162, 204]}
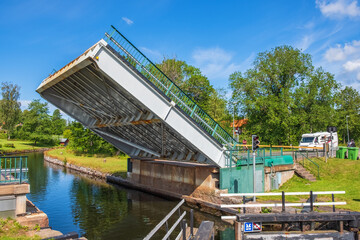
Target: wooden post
{"type": "Point", "coordinates": [341, 223]}
{"type": "Point", "coordinates": [238, 230]}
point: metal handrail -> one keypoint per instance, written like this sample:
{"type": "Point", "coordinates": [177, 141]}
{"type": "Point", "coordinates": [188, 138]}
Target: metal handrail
{"type": "Point", "coordinates": [165, 221]}
{"type": "Point", "coordinates": [13, 169]}
{"type": "Point", "coordinates": [303, 163]}
{"type": "Point", "coordinates": [148, 69]}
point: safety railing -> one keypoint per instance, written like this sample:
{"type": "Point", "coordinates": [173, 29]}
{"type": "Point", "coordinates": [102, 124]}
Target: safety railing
{"type": "Point", "coordinates": [304, 157]}
{"type": "Point", "coordinates": [243, 156]}
{"type": "Point", "coordinates": [182, 234]}
{"type": "Point", "coordinates": [283, 204]}
{"type": "Point", "coordinates": [139, 61]}
{"type": "Point", "coordinates": [13, 169]}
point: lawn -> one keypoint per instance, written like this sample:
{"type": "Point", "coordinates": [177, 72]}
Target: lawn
{"type": "Point", "coordinates": [19, 145]}
{"type": "Point", "coordinates": [335, 175]}
{"type": "Point", "coordinates": [116, 165]}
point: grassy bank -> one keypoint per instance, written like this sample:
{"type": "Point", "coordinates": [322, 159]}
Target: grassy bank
{"type": "Point", "coordinates": [11, 229]}
{"type": "Point", "coordinates": [19, 145]}
{"type": "Point", "coordinates": [116, 165]}
{"type": "Point", "coordinates": [335, 175]}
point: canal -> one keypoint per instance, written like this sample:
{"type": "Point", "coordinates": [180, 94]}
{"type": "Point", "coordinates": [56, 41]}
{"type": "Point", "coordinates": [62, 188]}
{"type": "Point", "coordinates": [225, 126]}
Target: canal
{"type": "Point", "coordinates": [98, 210]}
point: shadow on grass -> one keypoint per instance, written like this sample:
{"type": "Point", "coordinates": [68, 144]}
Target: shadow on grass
{"type": "Point", "coordinates": [38, 145]}
{"type": "Point", "coordinates": [356, 200]}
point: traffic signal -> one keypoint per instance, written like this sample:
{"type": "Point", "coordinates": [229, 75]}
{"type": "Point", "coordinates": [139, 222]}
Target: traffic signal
{"type": "Point", "coordinates": [255, 142]}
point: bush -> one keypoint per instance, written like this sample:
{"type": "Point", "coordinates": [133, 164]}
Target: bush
{"type": "Point", "coordinates": [3, 135]}
{"type": "Point", "coordinates": [9, 145]}
{"type": "Point", "coordinates": [0, 145]}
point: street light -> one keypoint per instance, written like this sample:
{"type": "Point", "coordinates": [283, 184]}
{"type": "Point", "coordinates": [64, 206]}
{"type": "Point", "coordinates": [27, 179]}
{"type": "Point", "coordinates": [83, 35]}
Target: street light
{"type": "Point", "coordinates": [347, 126]}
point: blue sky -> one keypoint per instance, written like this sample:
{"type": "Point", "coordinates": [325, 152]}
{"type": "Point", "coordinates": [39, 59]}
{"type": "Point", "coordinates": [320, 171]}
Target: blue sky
{"type": "Point", "coordinates": [219, 37]}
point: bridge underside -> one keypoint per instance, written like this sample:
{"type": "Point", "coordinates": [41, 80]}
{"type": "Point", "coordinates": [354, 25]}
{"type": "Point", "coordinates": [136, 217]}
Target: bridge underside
{"type": "Point", "coordinates": [112, 98]}
{"type": "Point", "coordinates": [102, 106]}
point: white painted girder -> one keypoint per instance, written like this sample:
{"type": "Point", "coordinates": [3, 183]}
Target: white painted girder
{"type": "Point", "coordinates": [125, 81]}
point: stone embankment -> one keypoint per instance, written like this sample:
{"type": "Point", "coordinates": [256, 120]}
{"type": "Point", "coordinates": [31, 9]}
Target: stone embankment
{"type": "Point", "coordinates": [206, 201]}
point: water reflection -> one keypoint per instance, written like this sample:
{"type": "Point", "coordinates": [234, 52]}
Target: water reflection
{"type": "Point", "coordinates": [94, 208]}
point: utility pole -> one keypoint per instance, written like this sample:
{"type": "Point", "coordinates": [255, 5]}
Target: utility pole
{"type": "Point", "coordinates": [347, 126]}
{"type": "Point", "coordinates": [234, 123]}
{"type": "Point", "coordinates": [332, 147]}
{"type": "Point", "coordinates": [255, 145]}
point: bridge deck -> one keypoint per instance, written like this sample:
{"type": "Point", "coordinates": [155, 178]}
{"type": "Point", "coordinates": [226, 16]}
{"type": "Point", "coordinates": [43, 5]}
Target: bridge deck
{"type": "Point", "coordinates": [130, 105]}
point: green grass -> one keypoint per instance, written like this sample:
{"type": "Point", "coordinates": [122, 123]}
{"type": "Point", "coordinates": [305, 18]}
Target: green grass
{"type": "Point", "coordinates": [335, 175]}
{"type": "Point", "coordinates": [11, 230]}
{"type": "Point", "coordinates": [19, 145]}
{"type": "Point", "coordinates": [116, 165]}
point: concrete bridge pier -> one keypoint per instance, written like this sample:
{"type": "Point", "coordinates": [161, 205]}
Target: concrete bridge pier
{"type": "Point", "coordinates": [13, 199]}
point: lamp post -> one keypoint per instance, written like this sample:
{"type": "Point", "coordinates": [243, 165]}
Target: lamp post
{"type": "Point", "coordinates": [234, 123]}
{"type": "Point", "coordinates": [347, 127]}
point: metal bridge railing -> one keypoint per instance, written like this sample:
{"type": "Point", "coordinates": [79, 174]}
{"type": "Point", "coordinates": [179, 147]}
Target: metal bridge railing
{"type": "Point", "coordinates": [305, 157]}
{"type": "Point", "coordinates": [137, 59]}
{"type": "Point", "coordinates": [13, 169]}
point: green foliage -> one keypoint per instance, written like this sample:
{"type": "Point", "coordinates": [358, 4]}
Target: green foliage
{"type": "Point", "coordinates": [38, 126]}
{"type": "Point", "coordinates": [348, 104]}
{"type": "Point", "coordinates": [58, 124]}
{"type": "Point", "coordinates": [11, 229]}
{"type": "Point", "coordinates": [9, 145]}
{"type": "Point", "coordinates": [82, 141]}
{"type": "Point", "coordinates": [3, 135]}
{"type": "Point", "coordinates": [189, 79]}
{"type": "Point", "coordinates": [283, 96]}
{"type": "Point", "coordinates": [37, 227]}
{"type": "Point", "coordinates": [266, 210]}
{"type": "Point", "coordinates": [9, 106]}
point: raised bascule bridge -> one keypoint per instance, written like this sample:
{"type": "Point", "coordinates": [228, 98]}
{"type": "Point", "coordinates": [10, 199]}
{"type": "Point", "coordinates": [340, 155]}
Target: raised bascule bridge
{"type": "Point", "coordinates": [118, 93]}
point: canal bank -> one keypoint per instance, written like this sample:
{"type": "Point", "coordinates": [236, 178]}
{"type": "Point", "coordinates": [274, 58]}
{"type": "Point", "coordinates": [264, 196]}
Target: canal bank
{"type": "Point", "coordinates": [204, 199]}
{"type": "Point", "coordinates": [96, 209]}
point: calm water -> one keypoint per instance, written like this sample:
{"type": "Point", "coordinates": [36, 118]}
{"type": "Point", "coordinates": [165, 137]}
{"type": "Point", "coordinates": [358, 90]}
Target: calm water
{"type": "Point", "coordinates": [96, 209]}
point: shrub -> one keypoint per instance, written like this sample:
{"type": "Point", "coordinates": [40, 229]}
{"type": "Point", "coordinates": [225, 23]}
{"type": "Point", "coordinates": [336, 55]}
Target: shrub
{"type": "Point", "coordinates": [9, 145]}
{"type": "Point", "coordinates": [3, 135]}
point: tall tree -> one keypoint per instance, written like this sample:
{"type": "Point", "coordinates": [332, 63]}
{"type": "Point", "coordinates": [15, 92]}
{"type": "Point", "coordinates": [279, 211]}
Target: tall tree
{"type": "Point", "coordinates": [58, 123]}
{"type": "Point", "coordinates": [9, 106]}
{"type": "Point", "coordinates": [189, 79]}
{"type": "Point", "coordinates": [283, 95]}
{"type": "Point", "coordinates": [348, 104]}
{"type": "Point", "coordinates": [37, 123]}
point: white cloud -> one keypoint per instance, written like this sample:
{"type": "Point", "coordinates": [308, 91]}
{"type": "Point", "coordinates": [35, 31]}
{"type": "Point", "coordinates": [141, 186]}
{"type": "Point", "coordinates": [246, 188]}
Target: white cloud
{"type": "Point", "coordinates": [127, 20]}
{"type": "Point", "coordinates": [218, 64]}
{"type": "Point", "coordinates": [351, 66]}
{"type": "Point", "coordinates": [338, 8]}
{"type": "Point", "coordinates": [344, 61]}
{"type": "Point", "coordinates": [340, 53]}
{"type": "Point", "coordinates": [305, 42]}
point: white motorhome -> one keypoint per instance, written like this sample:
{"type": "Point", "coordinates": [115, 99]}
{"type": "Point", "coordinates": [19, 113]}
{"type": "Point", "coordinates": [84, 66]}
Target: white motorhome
{"type": "Point", "coordinates": [318, 139]}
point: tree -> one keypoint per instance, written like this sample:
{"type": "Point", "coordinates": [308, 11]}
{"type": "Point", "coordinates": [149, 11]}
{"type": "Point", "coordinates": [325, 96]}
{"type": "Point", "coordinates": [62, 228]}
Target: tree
{"type": "Point", "coordinates": [9, 106]}
{"type": "Point", "coordinates": [82, 140]}
{"type": "Point", "coordinates": [189, 79]}
{"type": "Point", "coordinates": [58, 124]}
{"type": "Point", "coordinates": [283, 96]}
{"type": "Point", "coordinates": [348, 104]}
{"type": "Point", "coordinates": [37, 123]}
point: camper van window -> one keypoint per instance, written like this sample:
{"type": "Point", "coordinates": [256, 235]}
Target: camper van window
{"type": "Point", "coordinates": [307, 139]}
